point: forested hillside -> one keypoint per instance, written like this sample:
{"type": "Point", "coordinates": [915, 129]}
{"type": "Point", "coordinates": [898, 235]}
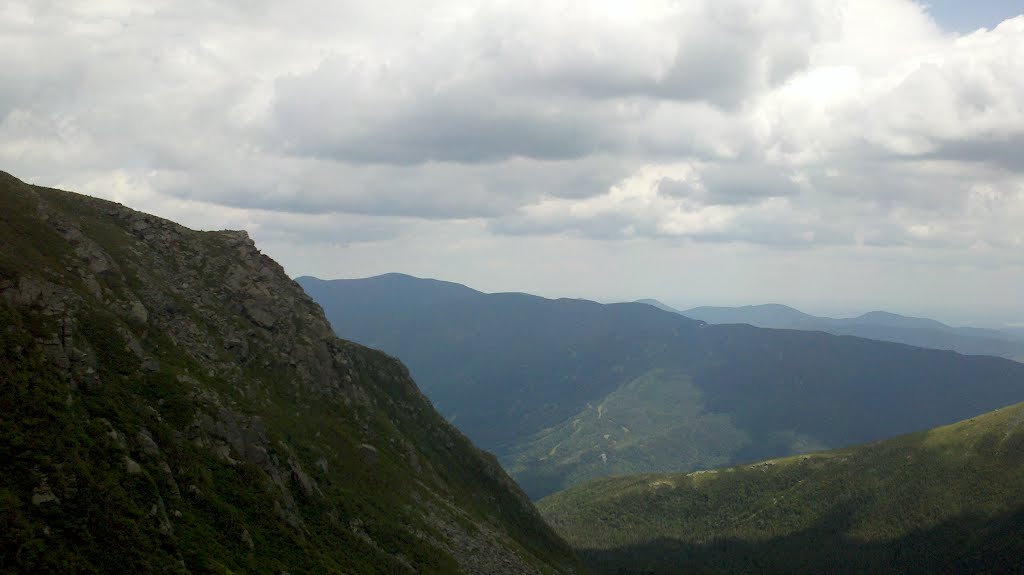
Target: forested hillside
{"type": "Point", "coordinates": [948, 500]}
{"type": "Point", "coordinates": [568, 390]}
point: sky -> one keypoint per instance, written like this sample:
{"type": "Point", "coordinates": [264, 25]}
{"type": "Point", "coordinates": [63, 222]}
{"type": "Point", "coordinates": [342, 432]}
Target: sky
{"type": "Point", "coordinates": [838, 156]}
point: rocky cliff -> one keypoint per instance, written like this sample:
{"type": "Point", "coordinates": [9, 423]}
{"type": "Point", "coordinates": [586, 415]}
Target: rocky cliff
{"type": "Point", "coordinates": [170, 401]}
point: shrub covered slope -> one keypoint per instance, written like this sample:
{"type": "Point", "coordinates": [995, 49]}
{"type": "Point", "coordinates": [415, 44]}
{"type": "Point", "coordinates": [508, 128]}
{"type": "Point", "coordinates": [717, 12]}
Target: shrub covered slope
{"type": "Point", "coordinates": [171, 402]}
{"type": "Point", "coordinates": [948, 500]}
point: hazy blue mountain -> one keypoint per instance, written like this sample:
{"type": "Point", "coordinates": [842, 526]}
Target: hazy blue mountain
{"type": "Point", "coordinates": [895, 320]}
{"type": "Point", "coordinates": [567, 390]}
{"type": "Point", "coordinates": [657, 304]}
{"type": "Point", "coordinates": [879, 325]}
{"type": "Point", "coordinates": [765, 315]}
{"type": "Point", "coordinates": [1014, 332]}
{"type": "Point", "coordinates": [502, 365]}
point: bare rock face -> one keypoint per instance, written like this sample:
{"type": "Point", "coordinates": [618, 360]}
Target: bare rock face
{"type": "Point", "coordinates": [369, 453]}
{"type": "Point", "coordinates": [43, 495]}
{"type": "Point", "coordinates": [178, 391]}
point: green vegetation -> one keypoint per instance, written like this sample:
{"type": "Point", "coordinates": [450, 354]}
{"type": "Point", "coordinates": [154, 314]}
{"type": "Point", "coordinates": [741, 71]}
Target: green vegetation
{"type": "Point", "coordinates": [652, 423]}
{"type": "Point", "coordinates": [523, 375]}
{"type": "Point", "coordinates": [946, 500]}
{"type": "Point", "coordinates": [172, 402]}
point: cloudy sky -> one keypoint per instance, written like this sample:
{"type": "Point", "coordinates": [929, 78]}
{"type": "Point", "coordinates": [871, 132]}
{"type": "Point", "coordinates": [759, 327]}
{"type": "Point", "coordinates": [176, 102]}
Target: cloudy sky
{"type": "Point", "coordinates": [835, 155]}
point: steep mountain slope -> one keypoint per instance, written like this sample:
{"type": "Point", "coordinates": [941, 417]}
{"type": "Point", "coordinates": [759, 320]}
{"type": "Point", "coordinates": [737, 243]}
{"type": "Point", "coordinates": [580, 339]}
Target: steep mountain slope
{"type": "Point", "coordinates": [172, 402]}
{"type": "Point", "coordinates": [878, 325]}
{"type": "Point", "coordinates": [500, 366]}
{"type": "Point", "coordinates": [657, 421]}
{"type": "Point", "coordinates": [567, 390]}
{"type": "Point", "coordinates": [949, 500]}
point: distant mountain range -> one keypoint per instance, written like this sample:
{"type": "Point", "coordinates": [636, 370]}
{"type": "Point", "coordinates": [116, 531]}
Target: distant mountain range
{"type": "Point", "coordinates": [569, 390]}
{"type": "Point", "coordinates": [948, 500]}
{"type": "Point", "coordinates": [881, 325]}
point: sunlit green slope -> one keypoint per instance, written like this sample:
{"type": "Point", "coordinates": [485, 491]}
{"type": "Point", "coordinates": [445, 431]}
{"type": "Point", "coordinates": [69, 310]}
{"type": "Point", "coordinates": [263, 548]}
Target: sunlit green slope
{"type": "Point", "coordinates": [946, 500]}
{"type": "Point", "coordinates": [655, 422]}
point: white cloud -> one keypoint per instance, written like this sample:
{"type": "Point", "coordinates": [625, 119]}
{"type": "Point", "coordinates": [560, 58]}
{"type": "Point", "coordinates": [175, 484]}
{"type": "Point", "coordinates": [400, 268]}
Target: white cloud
{"type": "Point", "coordinates": [823, 124]}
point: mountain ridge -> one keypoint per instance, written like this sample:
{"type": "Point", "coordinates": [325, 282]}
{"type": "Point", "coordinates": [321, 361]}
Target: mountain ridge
{"type": "Point", "coordinates": [880, 325]}
{"type": "Point", "coordinates": [527, 377]}
{"type": "Point", "coordinates": [173, 402]}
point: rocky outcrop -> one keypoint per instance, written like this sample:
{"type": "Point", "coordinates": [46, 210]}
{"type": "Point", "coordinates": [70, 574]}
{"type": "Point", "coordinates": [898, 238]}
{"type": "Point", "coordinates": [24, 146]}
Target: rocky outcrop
{"type": "Point", "coordinates": [197, 404]}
